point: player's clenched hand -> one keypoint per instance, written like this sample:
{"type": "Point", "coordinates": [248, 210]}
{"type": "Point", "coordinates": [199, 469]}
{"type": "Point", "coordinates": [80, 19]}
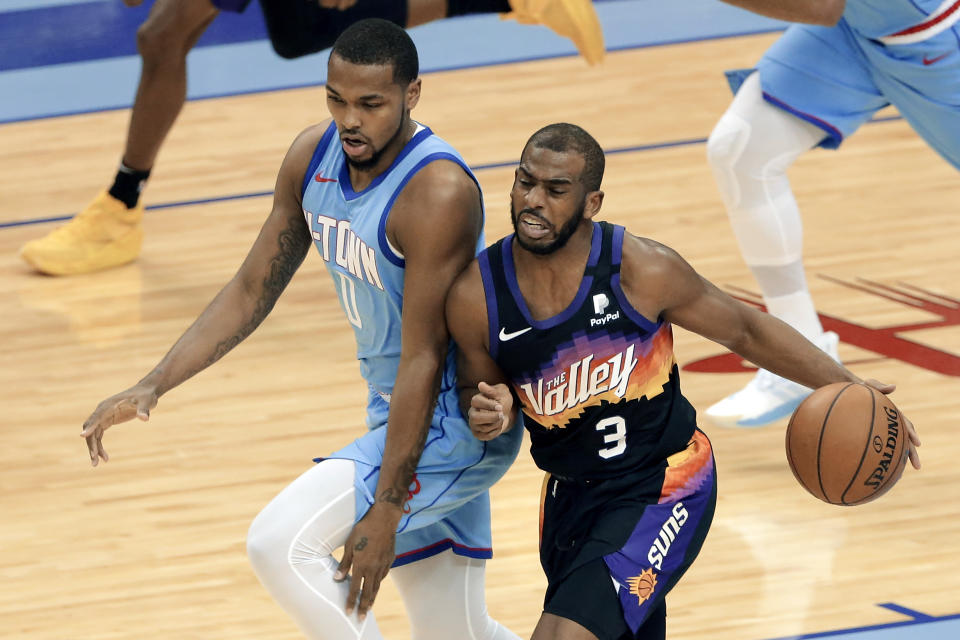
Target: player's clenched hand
{"type": "Point", "coordinates": [137, 401]}
{"type": "Point", "coordinates": [911, 432]}
{"type": "Point", "coordinates": [489, 413]}
{"type": "Point", "coordinates": [370, 550]}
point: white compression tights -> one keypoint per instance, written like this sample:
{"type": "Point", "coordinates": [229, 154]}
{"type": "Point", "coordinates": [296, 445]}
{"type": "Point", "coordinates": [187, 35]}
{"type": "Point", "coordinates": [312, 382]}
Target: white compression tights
{"type": "Point", "coordinates": [291, 544]}
{"type": "Point", "coordinates": [750, 150]}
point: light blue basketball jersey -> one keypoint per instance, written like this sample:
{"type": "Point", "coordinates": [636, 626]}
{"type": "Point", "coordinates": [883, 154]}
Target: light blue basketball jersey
{"type": "Point", "coordinates": [882, 52]}
{"type": "Point", "coordinates": [448, 506]}
{"type": "Point", "coordinates": [876, 19]}
{"type": "Point", "coordinates": [349, 231]}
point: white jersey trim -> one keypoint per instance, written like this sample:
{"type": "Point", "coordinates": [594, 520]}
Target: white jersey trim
{"type": "Point", "coordinates": [392, 248]}
{"type": "Point", "coordinates": [944, 17]}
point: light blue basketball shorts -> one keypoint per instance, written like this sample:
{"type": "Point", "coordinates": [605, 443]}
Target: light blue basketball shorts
{"type": "Point", "coordinates": [448, 505]}
{"type": "Point", "coordinates": [837, 79]}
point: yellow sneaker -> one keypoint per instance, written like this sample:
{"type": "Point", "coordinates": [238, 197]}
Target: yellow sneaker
{"type": "Point", "coordinates": [574, 19]}
{"type": "Point", "coordinates": [105, 234]}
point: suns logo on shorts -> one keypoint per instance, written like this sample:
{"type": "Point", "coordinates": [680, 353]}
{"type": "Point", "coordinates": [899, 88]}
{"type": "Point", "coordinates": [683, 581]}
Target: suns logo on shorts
{"type": "Point", "coordinates": [643, 585]}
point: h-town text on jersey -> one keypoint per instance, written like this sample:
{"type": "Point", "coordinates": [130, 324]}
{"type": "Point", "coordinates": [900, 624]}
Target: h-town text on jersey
{"type": "Point", "coordinates": [344, 247]}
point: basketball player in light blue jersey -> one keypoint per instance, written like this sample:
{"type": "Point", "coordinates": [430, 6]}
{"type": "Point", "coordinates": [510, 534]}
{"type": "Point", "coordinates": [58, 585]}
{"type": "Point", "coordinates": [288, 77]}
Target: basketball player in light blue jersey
{"type": "Point", "coordinates": [814, 87]}
{"type": "Point", "coordinates": [395, 214]}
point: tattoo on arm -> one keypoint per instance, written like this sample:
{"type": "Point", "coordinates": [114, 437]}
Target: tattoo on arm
{"type": "Point", "coordinates": [361, 544]}
{"type": "Point", "coordinates": [398, 495]}
{"type": "Point", "coordinates": [391, 496]}
{"type": "Point", "coordinates": [294, 242]}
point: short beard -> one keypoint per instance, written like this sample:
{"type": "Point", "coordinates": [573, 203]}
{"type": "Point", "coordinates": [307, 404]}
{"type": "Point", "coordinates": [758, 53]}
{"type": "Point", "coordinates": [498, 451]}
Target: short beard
{"type": "Point", "coordinates": [563, 235]}
{"type": "Point", "coordinates": [371, 162]}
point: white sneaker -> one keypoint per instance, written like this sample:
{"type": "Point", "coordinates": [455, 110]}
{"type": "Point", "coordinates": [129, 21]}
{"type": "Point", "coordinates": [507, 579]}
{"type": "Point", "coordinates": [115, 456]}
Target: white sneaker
{"type": "Point", "coordinates": [767, 397]}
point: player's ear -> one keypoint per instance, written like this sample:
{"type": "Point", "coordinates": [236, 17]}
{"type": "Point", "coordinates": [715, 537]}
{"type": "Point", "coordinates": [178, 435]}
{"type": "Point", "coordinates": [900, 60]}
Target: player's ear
{"type": "Point", "coordinates": [593, 204]}
{"type": "Point", "coordinates": [413, 94]}
{"type": "Point", "coordinates": [516, 176]}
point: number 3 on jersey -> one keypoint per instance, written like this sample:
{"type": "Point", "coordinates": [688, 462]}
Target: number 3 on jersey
{"type": "Point", "coordinates": [614, 431]}
{"type": "Point", "coordinates": [348, 298]}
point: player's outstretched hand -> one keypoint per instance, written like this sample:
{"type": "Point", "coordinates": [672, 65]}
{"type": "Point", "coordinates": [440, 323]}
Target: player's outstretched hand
{"type": "Point", "coordinates": [887, 389]}
{"type": "Point", "coordinates": [489, 413]}
{"type": "Point", "coordinates": [137, 401]}
{"type": "Point", "coordinates": [369, 551]}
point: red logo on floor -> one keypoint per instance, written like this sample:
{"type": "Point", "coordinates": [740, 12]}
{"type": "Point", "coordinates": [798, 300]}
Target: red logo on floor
{"type": "Point", "coordinates": [887, 342]}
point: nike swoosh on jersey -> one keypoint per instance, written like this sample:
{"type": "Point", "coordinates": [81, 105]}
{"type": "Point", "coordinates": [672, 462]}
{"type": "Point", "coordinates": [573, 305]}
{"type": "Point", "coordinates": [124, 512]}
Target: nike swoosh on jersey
{"type": "Point", "coordinates": [504, 336]}
{"type": "Point", "coordinates": [929, 61]}
{"type": "Point", "coordinates": [320, 178]}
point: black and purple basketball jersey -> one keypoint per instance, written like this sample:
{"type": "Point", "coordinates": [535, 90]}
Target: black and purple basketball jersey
{"type": "Point", "coordinates": [598, 383]}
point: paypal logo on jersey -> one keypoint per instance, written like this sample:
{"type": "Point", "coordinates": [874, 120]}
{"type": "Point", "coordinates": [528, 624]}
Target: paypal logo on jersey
{"type": "Point", "coordinates": [337, 242]}
{"type": "Point", "coordinates": [600, 303]}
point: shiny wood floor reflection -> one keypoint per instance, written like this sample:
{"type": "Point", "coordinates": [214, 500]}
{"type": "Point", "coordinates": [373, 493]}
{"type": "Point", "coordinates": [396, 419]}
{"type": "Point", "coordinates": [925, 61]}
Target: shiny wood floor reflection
{"type": "Point", "coordinates": [152, 544]}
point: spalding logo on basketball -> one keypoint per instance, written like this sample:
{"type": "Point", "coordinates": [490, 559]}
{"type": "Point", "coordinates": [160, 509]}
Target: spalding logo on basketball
{"type": "Point", "coordinates": [846, 443]}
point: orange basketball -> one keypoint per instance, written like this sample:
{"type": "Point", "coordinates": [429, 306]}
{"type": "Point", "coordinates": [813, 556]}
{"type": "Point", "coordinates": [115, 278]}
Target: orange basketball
{"type": "Point", "coordinates": [846, 443]}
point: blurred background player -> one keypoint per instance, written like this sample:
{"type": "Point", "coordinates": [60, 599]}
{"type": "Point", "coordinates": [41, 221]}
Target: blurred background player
{"type": "Point", "coordinates": [815, 87]}
{"type": "Point", "coordinates": [109, 231]}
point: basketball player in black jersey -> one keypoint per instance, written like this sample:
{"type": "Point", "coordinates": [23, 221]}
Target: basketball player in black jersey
{"type": "Point", "coordinates": [569, 321]}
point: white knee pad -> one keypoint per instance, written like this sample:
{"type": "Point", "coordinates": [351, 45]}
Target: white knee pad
{"type": "Point", "coordinates": [724, 149]}
{"type": "Point", "coordinates": [749, 150]}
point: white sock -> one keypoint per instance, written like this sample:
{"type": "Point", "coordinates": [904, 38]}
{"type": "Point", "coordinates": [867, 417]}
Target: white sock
{"type": "Point", "coordinates": [797, 310]}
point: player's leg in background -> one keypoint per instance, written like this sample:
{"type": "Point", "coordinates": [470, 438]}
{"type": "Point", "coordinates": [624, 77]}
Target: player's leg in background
{"type": "Point", "coordinates": [291, 544]}
{"type": "Point", "coordinates": [573, 19]}
{"type": "Point", "coordinates": [108, 232]}
{"type": "Point", "coordinates": [445, 598]}
{"type": "Point", "coordinates": [750, 150]}
{"type": "Point", "coordinates": [814, 86]}
{"type": "Point", "coordinates": [163, 40]}
{"type": "Point", "coordinates": [299, 27]}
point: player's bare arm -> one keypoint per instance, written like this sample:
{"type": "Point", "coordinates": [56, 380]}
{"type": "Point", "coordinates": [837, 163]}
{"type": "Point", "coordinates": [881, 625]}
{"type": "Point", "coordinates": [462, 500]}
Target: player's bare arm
{"type": "Point", "coordinates": [234, 313]}
{"type": "Point", "coordinates": [434, 224]}
{"type": "Point", "coordinates": [822, 12]}
{"type": "Point", "coordinates": [485, 398]}
{"type": "Point", "coordinates": [673, 289]}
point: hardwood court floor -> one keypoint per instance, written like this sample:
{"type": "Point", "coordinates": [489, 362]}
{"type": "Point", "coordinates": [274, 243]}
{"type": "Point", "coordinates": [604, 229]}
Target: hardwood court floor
{"type": "Point", "coordinates": [152, 544]}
